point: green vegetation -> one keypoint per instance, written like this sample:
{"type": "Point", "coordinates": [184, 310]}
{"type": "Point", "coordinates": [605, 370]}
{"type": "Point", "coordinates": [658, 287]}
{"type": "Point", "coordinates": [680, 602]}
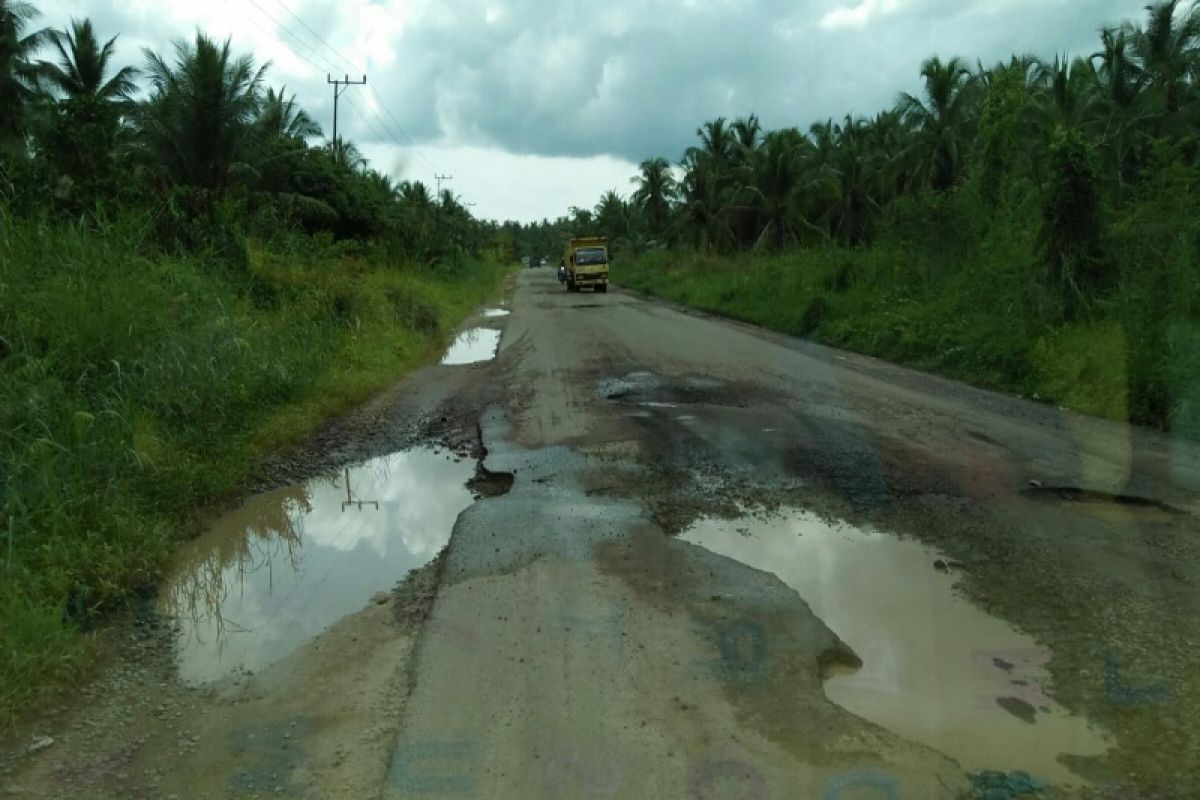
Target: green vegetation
{"type": "Point", "coordinates": [1032, 226]}
{"type": "Point", "coordinates": [185, 284]}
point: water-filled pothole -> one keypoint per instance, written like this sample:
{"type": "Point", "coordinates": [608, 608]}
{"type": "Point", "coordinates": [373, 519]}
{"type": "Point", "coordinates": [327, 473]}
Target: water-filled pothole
{"type": "Point", "coordinates": [288, 563]}
{"type": "Point", "coordinates": [492, 313]}
{"type": "Point", "coordinates": [936, 669]}
{"type": "Point", "coordinates": [472, 346]}
{"type": "Point", "coordinates": [647, 389]}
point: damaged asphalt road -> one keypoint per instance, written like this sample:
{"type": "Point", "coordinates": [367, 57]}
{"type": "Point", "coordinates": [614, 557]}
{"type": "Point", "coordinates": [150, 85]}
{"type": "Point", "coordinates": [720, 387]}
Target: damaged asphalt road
{"type": "Point", "coordinates": [698, 560]}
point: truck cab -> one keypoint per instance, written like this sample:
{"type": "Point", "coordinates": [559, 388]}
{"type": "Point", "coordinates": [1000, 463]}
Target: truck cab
{"type": "Point", "coordinates": [585, 261]}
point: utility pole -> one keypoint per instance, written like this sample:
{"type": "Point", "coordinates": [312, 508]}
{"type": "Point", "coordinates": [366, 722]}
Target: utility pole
{"type": "Point", "coordinates": [339, 87]}
{"type": "Point", "coordinates": [439, 179]}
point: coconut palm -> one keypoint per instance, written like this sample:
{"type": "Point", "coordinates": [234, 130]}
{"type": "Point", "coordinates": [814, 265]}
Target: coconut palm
{"type": "Point", "coordinates": [612, 216]}
{"type": "Point", "coordinates": [705, 198]}
{"type": "Point", "coordinates": [280, 117]}
{"type": "Point", "coordinates": [82, 68]}
{"type": "Point", "coordinates": [1169, 51]}
{"type": "Point", "coordinates": [415, 194]}
{"type": "Point", "coordinates": [1120, 96]}
{"type": "Point", "coordinates": [1066, 94]}
{"type": "Point", "coordinates": [718, 140]}
{"type": "Point", "coordinates": [855, 169]}
{"type": "Point", "coordinates": [942, 121]}
{"type": "Point", "coordinates": [656, 190]}
{"type": "Point", "coordinates": [18, 72]}
{"type": "Point", "coordinates": [346, 154]}
{"type": "Point", "coordinates": [199, 121]}
{"type": "Point", "coordinates": [1119, 77]}
{"type": "Point", "coordinates": [383, 184]}
{"type": "Point", "coordinates": [783, 181]}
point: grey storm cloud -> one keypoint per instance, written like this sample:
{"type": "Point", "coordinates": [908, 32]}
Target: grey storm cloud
{"type": "Point", "coordinates": [632, 78]}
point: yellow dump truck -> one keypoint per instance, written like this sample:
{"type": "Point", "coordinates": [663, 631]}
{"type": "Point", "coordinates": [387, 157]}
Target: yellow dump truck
{"type": "Point", "coordinates": [585, 262]}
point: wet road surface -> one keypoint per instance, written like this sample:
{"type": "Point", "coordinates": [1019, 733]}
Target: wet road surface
{"type": "Point", "coordinates": [686, 558]}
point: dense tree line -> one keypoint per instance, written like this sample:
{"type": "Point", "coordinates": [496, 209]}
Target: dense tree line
{"type": "Point", "coordinates": [1063, 140]}
{"type": "Point", "coordinates": [198, 138]}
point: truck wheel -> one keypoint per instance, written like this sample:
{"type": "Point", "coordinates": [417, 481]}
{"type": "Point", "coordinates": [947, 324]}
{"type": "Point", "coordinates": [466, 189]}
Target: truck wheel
{"type": "Point", "coordinates": [570, 285]}
{"type": "Point", "coordinates": [602, 288]}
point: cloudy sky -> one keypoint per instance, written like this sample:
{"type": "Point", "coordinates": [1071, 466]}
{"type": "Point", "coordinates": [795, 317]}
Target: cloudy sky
{"type": "Point", "coordinates": [537, 105]}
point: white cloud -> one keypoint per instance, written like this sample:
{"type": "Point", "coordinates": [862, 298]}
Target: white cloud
{"type": "Point", "coordinates": [860, 14]}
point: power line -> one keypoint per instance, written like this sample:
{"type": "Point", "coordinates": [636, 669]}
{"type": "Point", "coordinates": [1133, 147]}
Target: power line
{"type": "Point", "coordinates": [310, 51]}
{"type": "Point", "coordinates": [370, 91]}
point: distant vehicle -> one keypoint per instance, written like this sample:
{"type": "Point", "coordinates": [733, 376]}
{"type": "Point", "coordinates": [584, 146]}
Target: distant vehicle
{"type": "Point", "coordinates": [586, 263]}
{"type": "Point", "coordinates": [525, 261]}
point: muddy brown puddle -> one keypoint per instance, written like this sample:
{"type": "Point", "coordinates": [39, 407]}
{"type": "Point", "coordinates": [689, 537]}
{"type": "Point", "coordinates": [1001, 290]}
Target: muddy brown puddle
{"type": "Point", "coordinates": [936, 669]}
{"type": "Point", "coordinates": [285, 565]}
{"type": "Point", "coordinates": [472, 346]}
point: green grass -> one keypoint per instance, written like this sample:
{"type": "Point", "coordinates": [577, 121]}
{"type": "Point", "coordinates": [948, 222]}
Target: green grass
{"type": "Point", "coordinates": [136, 387]}
{"type": "Point", "coordinates": [970, 306]}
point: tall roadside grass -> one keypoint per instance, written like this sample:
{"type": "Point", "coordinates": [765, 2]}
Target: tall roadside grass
{"type": "Point", "coordinates": [968, 303]}
{"type": "Point", "coordinates": [134, 386]}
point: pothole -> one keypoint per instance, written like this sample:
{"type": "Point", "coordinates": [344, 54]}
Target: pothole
{"type": "Point", "coordinates": [490, 484]}
{"type": "Point", "coordinates": [272, 574]}
{"type": "Point", "coordinates": [936, 669]}
{"type": "Point", "coordinates": [493, 313]}
{"type": "Point", "coordinates": [472, 346]}
{"type": "Point", "coordinates": [1115, 507]}
{"type": "Point", "coordinates": [653, 391]}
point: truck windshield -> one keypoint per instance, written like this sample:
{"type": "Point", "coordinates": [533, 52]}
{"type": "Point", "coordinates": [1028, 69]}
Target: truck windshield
{"type": "Point", "coordinates": [590, 255]}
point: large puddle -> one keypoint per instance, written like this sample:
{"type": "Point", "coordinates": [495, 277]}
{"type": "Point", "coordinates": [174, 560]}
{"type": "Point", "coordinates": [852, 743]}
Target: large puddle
{"type": "Point", "coordinates": [936, 669]}
{"type": "Point", "coordinates": [472, 346]}
{"type": "Point", "coordinates": [287, 564]}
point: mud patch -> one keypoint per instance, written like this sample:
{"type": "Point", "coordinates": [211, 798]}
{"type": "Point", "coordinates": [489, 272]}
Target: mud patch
{"type": "Point", "coordinates": [288, 563]}
{"type": "Point", "coordinates": [936, 669]}
{"type": "Point", "coordinates": [472, 347]}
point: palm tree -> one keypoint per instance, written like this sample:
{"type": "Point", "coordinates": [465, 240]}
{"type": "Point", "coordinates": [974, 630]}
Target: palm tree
{"type": "Point", "coordinates": [199, 121]}
{"type": "Point", "coordinates": [415, 194]}
{"type": "Point", "coordinates": [717, 139]}
{"type": "Point", "coordinates": [855, 176]}
{"type": "Point", "coordinates": [704, 190]}
{"type": "Point", "coordinates": [1120, 97]}
{"type": "Point", "coordinates": [1066, 94]}
{"type": "Point", "coordinates": [781, 185]}
{"type": "Point", "coordinates": [279, 116]}
{"type": "Point", "coordinates": [612, 216]}
{"type": "Point", "coordinates": [346, 154]}
{"type": "Point", "coordinates": [656, 190]}
{"type": "Point", "coordinates": [942, 120]}
{"type": "Point", "coordinates": [382, 184]}
{"type": "Point", "coordinates": [747, 133]}
{"type": "Point", "coordinates": [887, 136]}
{"type": "Point", "coordinates": [18, 72]}
{"type": "Point", "coordinates": [83, 64]}
{"type": "Point", "coordinates": [1169, 50]}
